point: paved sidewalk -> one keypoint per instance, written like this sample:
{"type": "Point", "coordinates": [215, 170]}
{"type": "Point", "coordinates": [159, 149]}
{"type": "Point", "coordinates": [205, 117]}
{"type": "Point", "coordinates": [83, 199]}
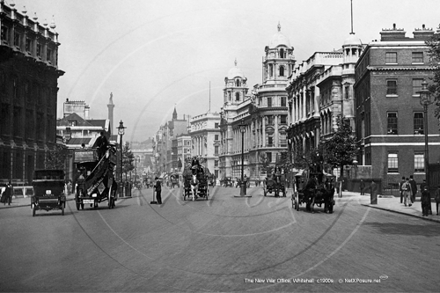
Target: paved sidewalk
{"type": "Point", "coordinates": [20, 201]}
{"type": "Point", "coordinates": [392, 204]}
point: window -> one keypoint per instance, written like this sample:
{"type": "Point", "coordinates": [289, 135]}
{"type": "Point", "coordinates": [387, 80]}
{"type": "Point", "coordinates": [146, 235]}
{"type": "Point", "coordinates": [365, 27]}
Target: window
{"type": "Point", "coordinates": [237, 83]}
{"type": "Point", "coordinates": [237, 96]}
{"type": "Point", "coordinates": [392, 123]}
{"type": "Point", "coordinates": [281, 70]}
{"type": "Point", "coordinates": [283, 119]}
{"type": "Point", "coordinates": [216, 125]}
{"type": "Point", "coordinates": [28, 45]}
{"type": "Point", "coordinates": [283, 102]}
{"type": "Point", "coordinates": [418, 123]}
{"type": "Point", "coordinates": [216, 150]}
{"type": "Point", "coordinates": [16, 39]}
{"type": "Point", "coordinates": [270, 70]}
{"type": "Point", "coordinates": [391, 87]}
{"type": "Point", "coordinates": [393, 163]}
{"type": "Point", "coordinates": [216, 137]}
{"type": "Point", "coordinates": [269, 120]}
{"type": "Point", "coordinates": [269, 157]}
{"type": "Point", "coordinates": [391, 57]}
{"type": "Point", "coordinates": [270, 141]}
{"type": "Point", "coordinates": [419, 163]}
{"type": "Point", "coordinates": [216, 163]}
{"type": "Point", "coordinates": [269, 102]}
{"type": "Point", "coordinates": [282, 53]}
{"type": "Point", "coordinates": [38, 50]}
{"type": "Point", "coordinates": [417, 57]}
{"type": "Point", "coordinates": [49, 55]}
{"type": "Point", "coordinates": [4, 33]}
{"type": "Point", "coordinates": [417, 86]}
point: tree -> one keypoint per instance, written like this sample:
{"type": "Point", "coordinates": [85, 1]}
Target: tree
{"type": "Point", "coordinates": [341, 149]}
{"type": "Point", "coordinates": [127, 159]}
{"type": "Point", "coordinates": [434, 52]}
{"type": "Point", "coordinates": [265, 163]}
{"type": "Point", "coordinates": [56, 158]}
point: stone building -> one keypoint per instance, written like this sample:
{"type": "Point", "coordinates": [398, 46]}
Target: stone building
{"type": "Point", "coordinates": [389, 116]}
{"type": "Point", "coordinates": [28, 92]}
{"type": "Point", "coordinates": [205, 137]}
{"type": "Point", "coordinates": [320, 91]}
{"type": "Point", "coordinates": [263, 112]}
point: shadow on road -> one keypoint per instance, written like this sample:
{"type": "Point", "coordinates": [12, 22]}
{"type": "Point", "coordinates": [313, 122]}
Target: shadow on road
{"type": "Point", "coordinates": [406, 229]}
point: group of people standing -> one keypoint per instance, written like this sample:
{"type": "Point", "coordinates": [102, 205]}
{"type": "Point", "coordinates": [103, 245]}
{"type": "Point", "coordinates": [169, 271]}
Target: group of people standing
{"type": "Point", "coordinates": [408, 191]}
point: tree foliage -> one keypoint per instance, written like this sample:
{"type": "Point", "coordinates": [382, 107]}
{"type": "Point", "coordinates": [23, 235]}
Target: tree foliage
{"type": "Point", "coordinates": [127, 159]}
{"type": "Point", "coordinates": [56, 158]}
{"type": "Point", "coordinates": [342, 148]}
{"type": "Point", "coordinates": [434, 52]}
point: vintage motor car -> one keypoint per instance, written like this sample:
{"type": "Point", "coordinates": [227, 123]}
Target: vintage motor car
{"type": "Point", "coordinates": [49, 191]}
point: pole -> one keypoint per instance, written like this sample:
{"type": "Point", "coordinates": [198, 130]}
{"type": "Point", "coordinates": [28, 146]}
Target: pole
{"type": "Point", "coordinates": [242, 165]}
{"type": "Point", "coordinates": [121, 187]}
{"type": "Point", "coordinates": [425, 120]}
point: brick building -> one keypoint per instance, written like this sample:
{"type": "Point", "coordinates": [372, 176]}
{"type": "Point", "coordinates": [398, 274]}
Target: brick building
{"type": "Point", "coordinates": [28, 93]}
{"type": "Point", "coordinates": [389, 116]}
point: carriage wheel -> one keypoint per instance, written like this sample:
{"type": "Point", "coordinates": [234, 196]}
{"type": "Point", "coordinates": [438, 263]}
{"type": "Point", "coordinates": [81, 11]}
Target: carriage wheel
{"type": "Point", "coordinates": [265, 192]}
{"type": "Point", "coordinates": [109, 197]}
{"type": "Point", "coordinates": [330, 207]}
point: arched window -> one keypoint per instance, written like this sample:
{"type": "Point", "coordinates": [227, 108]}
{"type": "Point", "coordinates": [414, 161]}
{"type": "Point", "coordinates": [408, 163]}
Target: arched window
{"type": "Point", "coordinates": [270, 70]}
{"type": "Point", "coordinates": [237, 96]}
{"type": "Point", "coordinates": [281, 70]}
{"type": "Point", "coordinates": [237, 82]}
{"type": "Point", "coordinates": [282, 53]}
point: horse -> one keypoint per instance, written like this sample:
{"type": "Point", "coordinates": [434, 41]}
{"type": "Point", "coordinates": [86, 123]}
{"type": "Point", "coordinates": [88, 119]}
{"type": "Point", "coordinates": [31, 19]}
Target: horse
{"type": "Point", "coordinates": [194, 184]}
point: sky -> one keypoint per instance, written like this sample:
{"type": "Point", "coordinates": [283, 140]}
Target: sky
{"type": "Point", "coordinates": [154, 55]}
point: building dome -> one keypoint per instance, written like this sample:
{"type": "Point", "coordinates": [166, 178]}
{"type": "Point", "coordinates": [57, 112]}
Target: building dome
{"type": "Point", "coordinates": [352, 40]}
{"type": "Point", "coordinates": [235, 72]}
{"type": "Point", "coordinates": [279, 39]}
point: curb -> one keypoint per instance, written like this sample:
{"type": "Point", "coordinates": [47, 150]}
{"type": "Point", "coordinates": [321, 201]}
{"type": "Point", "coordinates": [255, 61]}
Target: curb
{"type": "Point", "coordinates": [402, 213]}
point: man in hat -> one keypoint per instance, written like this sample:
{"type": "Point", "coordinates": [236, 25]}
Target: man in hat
{"type": "Point", "coordinates": [158, 188]}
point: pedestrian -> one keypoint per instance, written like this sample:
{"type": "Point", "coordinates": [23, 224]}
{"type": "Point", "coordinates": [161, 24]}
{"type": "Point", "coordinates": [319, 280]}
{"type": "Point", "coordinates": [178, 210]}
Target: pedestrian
{"type": "Point", "coordinates": [158, 189]}
{"type": "Point", "coordinates": [7, 194]}
{"type": "Point", "coordinates": [413, 188]}
{"type": "Point", "coordinates": [426, 200]}
{"type": "Point", "coordinates": [400, 189]}
{"type": "Point", "coordinates": [437, 198]}
{"type": "Point", "coordinates": [406, 189]}
{"type": "Point", "coordinates": [362, 186]}
{"type": "Point", "coordinates": [102, 144]}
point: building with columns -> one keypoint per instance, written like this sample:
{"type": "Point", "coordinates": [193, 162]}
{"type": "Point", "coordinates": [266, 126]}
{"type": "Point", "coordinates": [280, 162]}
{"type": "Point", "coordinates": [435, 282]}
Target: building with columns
{"type": "Point", "coordinates": [320, 90]}
{"type": "Point", "coordinates": [263, 111]}
{"type": "Point", "coordinates": [205, 139]}
{"type": "Point", "coordinates": [28, 93]}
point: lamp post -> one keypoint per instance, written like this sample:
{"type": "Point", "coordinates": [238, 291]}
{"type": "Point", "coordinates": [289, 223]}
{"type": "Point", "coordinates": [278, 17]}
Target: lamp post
{"type": "Point", "coordinates": [425, 101]}
{"type": "Point", "coordinates": [242, 183]}
{"type": "Point", "coordinates": [121, 132]}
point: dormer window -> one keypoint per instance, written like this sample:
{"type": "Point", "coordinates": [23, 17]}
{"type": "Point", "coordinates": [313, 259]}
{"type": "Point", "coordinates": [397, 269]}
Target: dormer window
{"type": "Point", "coordinates": [237, 83]}
{"type": "Point", "coordinates": [73, 122]}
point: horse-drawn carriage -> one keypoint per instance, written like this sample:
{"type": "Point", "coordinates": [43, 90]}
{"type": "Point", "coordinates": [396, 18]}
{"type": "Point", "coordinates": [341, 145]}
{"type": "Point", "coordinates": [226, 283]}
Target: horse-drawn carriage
{"type": "Point", "coordinates": [275, 183]}
{"type": "Point", "coordinates": [313, 188]}
{"type": "Point", "coordinates": [174, 180]}
{"type": "Point", "coordinates": [96, 183]}
{"type": "Point", "coordinates": [227, 182]}
{"type": "Point", "coordinates": [196, 183]}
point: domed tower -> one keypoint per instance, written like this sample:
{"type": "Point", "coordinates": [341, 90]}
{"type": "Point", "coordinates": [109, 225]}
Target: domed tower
{"type": "Point", "coordinates": [235, 86]}
{"type": "Point", "coordinates": [352, 49]}
{"type": "Point", "coordinates": [279, 60]}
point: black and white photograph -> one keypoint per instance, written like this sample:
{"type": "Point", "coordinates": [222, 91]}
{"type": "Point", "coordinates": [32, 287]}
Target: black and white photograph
{"type": "Point", "coordinates": [219, 146]}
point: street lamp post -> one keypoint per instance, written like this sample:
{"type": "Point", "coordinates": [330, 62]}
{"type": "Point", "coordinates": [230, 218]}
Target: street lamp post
{"type": "Point", "coordinates": [242, 183]}
{"type": "Point", "coordinates": [121, 132]}
{"type": "Point", "coordinates": [425, 101]}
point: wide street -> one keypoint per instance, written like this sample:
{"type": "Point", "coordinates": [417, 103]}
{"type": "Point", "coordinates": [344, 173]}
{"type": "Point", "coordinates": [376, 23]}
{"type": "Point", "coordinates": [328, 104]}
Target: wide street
{"type": "Point", "coordinates": [224, 244]}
